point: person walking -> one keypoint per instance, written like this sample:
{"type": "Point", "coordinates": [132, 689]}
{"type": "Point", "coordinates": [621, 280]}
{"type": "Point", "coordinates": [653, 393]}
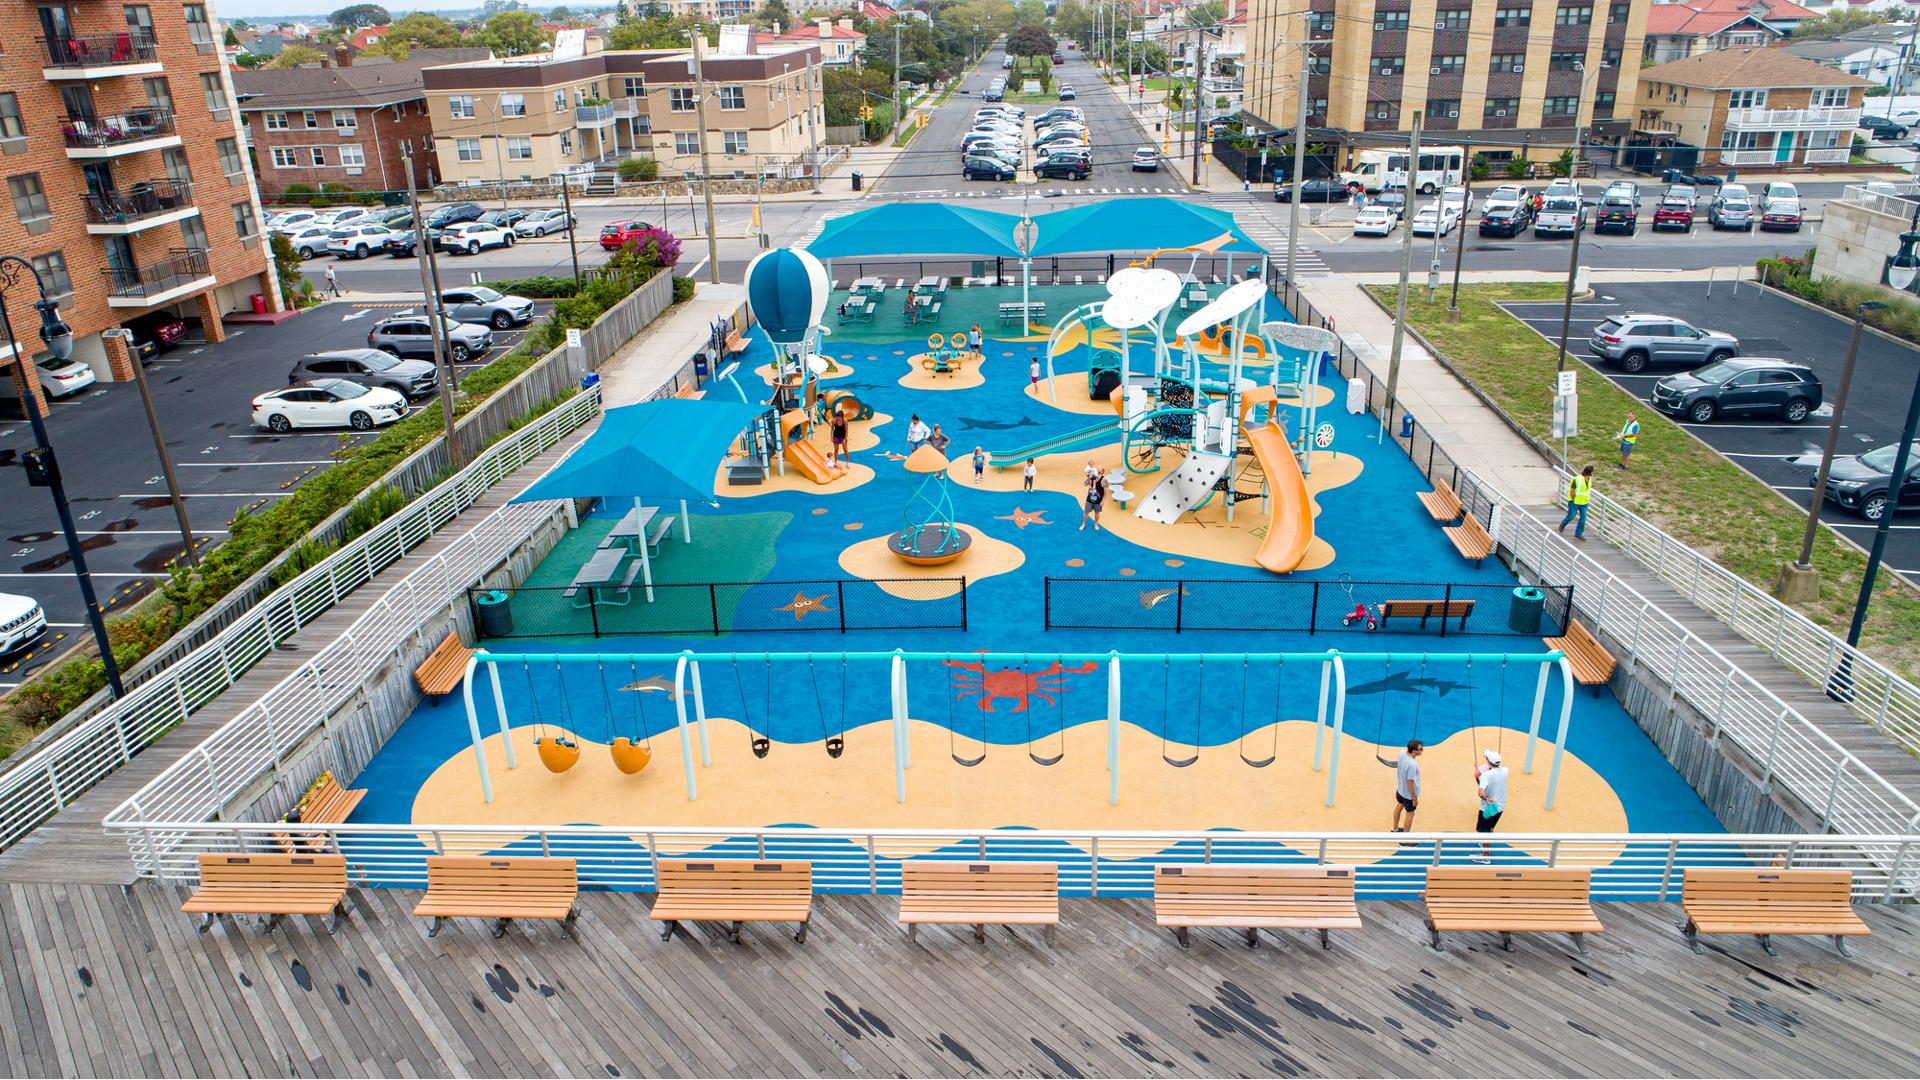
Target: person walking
{"type": "Point", "coordinates": [974, 340]}
{"type": "Point", "coordinates": [1579, 493]}
{"type": "Point", "coordinates": [1491, 779]}
{"type": "Point", "coordinates": [1629, 434]}
{"type": "Point", "coordinates": [979, 464]}
{"type": "Point", "coordinates": [837, 440]}
{"type": "Point", "coordinates": [333, 283]}
{"type": "Point", "coordinates": [1027, 474]}
{"type": "Point", "coordinates": [1033, 369]}
{"type": "Point", "coordinates": [939, 440]}
{"type": "Point", "coordinates": [1406, 786]}
{"type": "Point", "coordinates": [1096, 498]}
{"type": "Point", "coordinates": [917, 433]}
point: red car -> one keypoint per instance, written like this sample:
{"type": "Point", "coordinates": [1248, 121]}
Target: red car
{"type": "Point", "coordinates": [1675, 210]}
{"type": "Point", "coordinates": [617, 234]}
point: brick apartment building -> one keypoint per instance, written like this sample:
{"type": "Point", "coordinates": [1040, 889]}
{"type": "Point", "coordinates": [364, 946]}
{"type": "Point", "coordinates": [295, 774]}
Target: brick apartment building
{"type": "Point", "coordinates": [127, 181]}
{"type": "Point", "coordinates": [349, 122]}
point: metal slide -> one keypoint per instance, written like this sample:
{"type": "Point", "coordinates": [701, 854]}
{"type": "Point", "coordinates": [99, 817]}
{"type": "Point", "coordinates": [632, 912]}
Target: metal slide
{"type": "Point", "coordinates": [1103, 432]}
{"type": "Point", "coordinates": [1184, 489]}
{"type": "Point", "coordinates": [1289, 505]}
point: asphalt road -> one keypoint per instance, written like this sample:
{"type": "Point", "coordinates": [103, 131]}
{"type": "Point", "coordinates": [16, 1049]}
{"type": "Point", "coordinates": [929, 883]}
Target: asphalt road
{"type": "Point", "coordinates": [204, 396]}
{"type": "Point", "coordinates": [1783, 456]}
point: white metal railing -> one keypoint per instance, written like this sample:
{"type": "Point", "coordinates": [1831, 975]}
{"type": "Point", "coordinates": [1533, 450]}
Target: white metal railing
{"type": "Point", "coordinates": [1899, 204]}
{"type": "Point", "coordinates": [1386, 865]}
{"type": "Point", "coordinates": [40, 785]}
{"type": "Point", "coordinates": [1829, 155]}
{"type": "Point", "coordinates": [1760, 156]}
{"type": "Point", "coordinates": [1792, 119]}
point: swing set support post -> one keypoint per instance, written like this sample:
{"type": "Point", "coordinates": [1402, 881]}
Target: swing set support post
{"type": "Point", "coordinates": [1566, 719]}
{"type": "Point", "coordinates": [897, 685]}
{"type": "Point", "coordinates": [500, 709]}
{"type": "Point", "coordinates": [1320, 721]}
{"type": "Point", "coordinates": [473, 728]}
{"type": "Point", "coordinates": [1113, 729]}
{"type": "Point", "coordinates": [680, 720]}
{"type": "Point", "coordinates": [1539, 707]}
{"type": "Point", "coordinates": [700, 711]}
{"type": "Point", "coordinates": [906, 725]}
{"type": "Point", "coordinates": [1339, 724]}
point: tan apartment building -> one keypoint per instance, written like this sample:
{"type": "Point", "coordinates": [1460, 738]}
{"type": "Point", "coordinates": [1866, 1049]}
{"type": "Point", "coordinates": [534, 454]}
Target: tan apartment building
{"type": "Point", "coordinates": [126, 173]}
{"type": "Point", "coordinates": [1753, 108]}
{"type": "Point", "coordinates": [705, 10]}
{"type": "Point", "coordinates": [1508, 77]}
{"type": "Point", "coordinates": [535, 116]}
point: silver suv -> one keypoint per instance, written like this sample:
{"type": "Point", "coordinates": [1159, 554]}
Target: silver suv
{"type": "Point", "coordinates": [368, 367]}
{"type": "Point", "coordinates": [410, 335]}
{"type": "Point", "coordinates": [479, 304]}
{"type": "Point", "coordinates": [1636, 339]}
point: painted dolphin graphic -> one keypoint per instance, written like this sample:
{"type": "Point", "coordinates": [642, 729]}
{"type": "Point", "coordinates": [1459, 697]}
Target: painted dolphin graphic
{"type": "Point", "coordinates": [658, 684]}
{"type": "Point", "coordinates": [1152, 598]}
{"type": "Point", "coordinates": [1401, 681]}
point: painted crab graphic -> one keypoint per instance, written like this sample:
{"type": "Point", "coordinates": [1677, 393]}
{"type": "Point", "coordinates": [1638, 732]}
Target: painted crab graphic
{"type": "Point", "coordinates": [1013, 684]}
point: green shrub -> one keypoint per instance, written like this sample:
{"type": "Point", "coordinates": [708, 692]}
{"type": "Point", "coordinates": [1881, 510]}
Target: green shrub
{"type": "Point", "coordinates": [307, 555]}
{"type": "Point", "coordinates": [636, 169]}
{"type": "Point", "coordinates": [543, 287]}
{"type": "Point", "coordinates": [682, 289]}
{"type": "Point", "coordinates": [1517, 168]}
{"type": "Point", "coordinates": [377, 506]}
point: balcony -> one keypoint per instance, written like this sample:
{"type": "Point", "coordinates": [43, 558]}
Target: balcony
{"type": "Point", "coordinates": [1791, 119]}
{"type": "Point", "coordinates": [1832, 155]}
{"type": "Point", "coordinates": [94, 137]}
{"type": "Point", "coordinates": [181, 274]}
{"type": "Point", "coordinates": [99, 56]}
{"type": "Point", "coordinates": [140, 207]}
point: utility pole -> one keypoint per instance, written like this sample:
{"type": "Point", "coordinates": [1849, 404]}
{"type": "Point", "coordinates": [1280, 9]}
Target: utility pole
{"type": "Point", "coordinates": [1136, 89]}
{"type": "Point", "coordinates": [573, 239]}
{"type": "Point", "coordinates": [1299, 158]}
{"type": "Point", "coordinates": [813, 130]}
{"type": "Point", "coordinates": [160, 447]}
{"type": "Point", "coordinates": [1406, 270]}
{"type": "Point", "coordinates": [423, 245]}
{"type": "Point", "coordinates": [1199, 102]}
{"type": "Point", "coordinates": [499, 150]}
{"type": "Point", "coordinates": [706, 174]}
{"type": "Point", "coordinates": [895, 130]}
{"type": "Point", "coordinates": [1906, 59]}
{"type": "Point", "coordinates": [1459, 256]}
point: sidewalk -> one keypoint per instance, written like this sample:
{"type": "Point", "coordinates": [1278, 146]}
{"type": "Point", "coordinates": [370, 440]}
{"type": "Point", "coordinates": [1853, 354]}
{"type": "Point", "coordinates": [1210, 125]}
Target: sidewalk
{"type": "Point", "coordinates": [658, 351]}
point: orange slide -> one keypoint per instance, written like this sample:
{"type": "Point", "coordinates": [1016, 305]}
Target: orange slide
{"type": "Point", "coordinates": [802, 454]}
{"type": "Point", "coordinates": [1290, 507]}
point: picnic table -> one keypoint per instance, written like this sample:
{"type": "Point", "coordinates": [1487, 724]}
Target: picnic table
{"type": "Point", "coordinates": [934, 284]}
{"type": "Point", "coordinates": [631, 527]}
{"type": "Point", "coordinates": [1193, 291]}
{"type": "Point", "coordinates": [857, 309]}
{"type": "Point", "coordinates": [600, 571]}
{"type": "Point", "coordinates": [869, 284]}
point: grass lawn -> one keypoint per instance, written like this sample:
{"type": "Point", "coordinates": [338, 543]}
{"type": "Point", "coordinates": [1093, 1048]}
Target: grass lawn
{"type": "Point", "coordinates": [1160, 82]}
{"type": "Point", "coordinates": [1678, 482]}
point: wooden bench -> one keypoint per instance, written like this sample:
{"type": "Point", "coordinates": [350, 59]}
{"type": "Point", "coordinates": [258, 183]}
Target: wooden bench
{"type": "Point", "coordinates": [1768, 902]}
{"type": "Point", "coordinates": [1506, 900]}
{"type": "Point", "coordinates": [1426, 609]}
{"type": "Point", "coordinates": [1441, 502]}
{"type": "Point", "coordinates": [270, 885]}
{"type": "Point", "coordinates": [1470, 539]}
{"type": "Point", "coordinates": [1001, 894]}
{"type": "Point", "coordinates": [1255, 897]}
{"type": "Point", "coordinates": [441, 672]}
{"type": "Point", "coordinates": [1591, 662]}
{"type": "Point", "coordinates": [327, 803]}
{"type": "Point", "coordinates": [483, 887]}
{"type": "Point", "coordinates": [733, 891]}
{"type": "Point", "coordinates": [736, 342]}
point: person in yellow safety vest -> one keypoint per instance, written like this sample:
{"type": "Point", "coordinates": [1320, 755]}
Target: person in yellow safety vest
{"type": "Point", "coordinates": [1579, 493]}
{"type": "Point", "coordinates": [1629, 434]}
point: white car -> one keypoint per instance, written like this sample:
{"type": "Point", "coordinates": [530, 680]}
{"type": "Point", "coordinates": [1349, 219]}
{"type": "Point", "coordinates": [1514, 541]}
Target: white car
{"type": "Point", "coordinates": [1504, 197]}
{"type": "Point", "coordinates": [328, 403]}
{"type": "Point", "coordinates": [473, 236]}
{"type": "Point", "coordinates": [1457, 199]}
{"type": "Point", "coordinates": [1375, 221]}
{"type": "Point", "coordinates": [356, 241]}
{"type": "Point", "coordinates": [340, 216]}
{"type": "Point", "coordinates": [1146, 159]}
{"type": "Point", "coordinates": [21, 621]}
{"type": "Point", "coordinates": [542, 222]}
{"type": "Point", "coordinates": [309, 240]}
{"type": "Point", "coordinates": [289, 220]}
{"type": "Point", "coordinates": [58, 378]}
{"type": "Point", "coordinates": [1445, 216]}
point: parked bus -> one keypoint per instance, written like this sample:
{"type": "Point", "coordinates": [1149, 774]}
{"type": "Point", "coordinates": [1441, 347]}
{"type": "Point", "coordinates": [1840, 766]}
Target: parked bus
{"type": "Point", "coordinates": [1440, 167]}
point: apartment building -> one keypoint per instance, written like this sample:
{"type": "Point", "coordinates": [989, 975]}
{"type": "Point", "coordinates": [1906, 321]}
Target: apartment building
{"type": "Point", "coordinates": [1505, 77]}
{"type": "Point", "coordinates": [707, 10]}
{"type": "Point", "coordinates": [1753, 108]}
{"type": "Point", "coordinates": [536, 116]}
{"type": "Point", "coordinates": [128, 181]}
{"type": "Point", "coordinates": [839, 42]}
{"type": "Point", "coordinates": [1678, 30]}
{"type": "Point", "coordinates": [352, 122]}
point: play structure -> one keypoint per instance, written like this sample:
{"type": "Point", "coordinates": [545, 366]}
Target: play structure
{"type": "Point", "coordinates": [928, 535]}
{"type": "Point", "coordinates": [947, 355]}
{"type": "Point", "coordinates": [788, 291]}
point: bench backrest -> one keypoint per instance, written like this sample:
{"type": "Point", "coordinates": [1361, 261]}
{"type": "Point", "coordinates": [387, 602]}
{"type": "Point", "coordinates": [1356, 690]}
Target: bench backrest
{"type": "Point", "coordinates": [736, 875]}
{"type": "Point", "coordinates": [1518, 883]}
{"type": "Point", "coordinates": [1765, 886]}
{"type": "Point", "coordinates": [1473, 527]}
{"type": "Point", "coordinates": [1295, 882]}
{"type": "Point", "coordinates": [1005, 877]}
{"type": "Point", "coordinates": [272, 869]}
{"type": "Point", "coordinates": [480, 873]}
{"type": "Point", "coordinates": [1427, 607]}
{"type": "Point", "coordinates": [1580, 634]}
{"type": "Point", "coordinates": [1444, 490]}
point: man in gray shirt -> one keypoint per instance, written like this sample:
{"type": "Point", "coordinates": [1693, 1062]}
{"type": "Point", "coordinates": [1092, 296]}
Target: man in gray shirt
{"type": "Point", "coordinates": [1406, 786]}
{"type": "Point", "coordinates": [1493, 800]}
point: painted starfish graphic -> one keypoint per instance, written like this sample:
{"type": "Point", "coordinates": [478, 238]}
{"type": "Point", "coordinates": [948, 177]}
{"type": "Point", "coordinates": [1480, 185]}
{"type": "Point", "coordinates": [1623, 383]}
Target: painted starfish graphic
{"type": "Point", "coordinates": [1024, 518]}
{"type": "Point", "coordinates": [804, 605]}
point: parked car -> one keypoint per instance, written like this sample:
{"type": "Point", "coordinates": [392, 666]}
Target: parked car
{"type": "Point", "coordinates": [1619, 209]}
{"type": "Point", "coordinates": [1675, 210]}
{"type": "Point", "coordinates": [454, 214]}
{"type": "Point", "coordinates": [1394, 199]}
{"type": "Point", "coordinates": [340, 216]}
{"type": "Point", "coordinates": [505, 219]}
{"type": "Point", "coordinates": [399, 217]}
{"type": "Point", "coordinates": [1636, 339]}
{"type": "Point", "coordinates": [1560, 215]}
{"type": "Point", "coordinates": [988, 168]}
{"type": "Point", "coordinates": [1779, 206]}
{"type": "Point", "coordinates": [289, 220]}
{"type": "Point", "coordinates": [1459, 200]}
{"type": "Point", "coordinates": [473, 236]}
{"type": "Point", "coordinates": [1435, 217]}
{"type": "Point", "coordinates": [1741, 386]}
{"type": "Point", "coordinates": [1146, 159]}
{"type": "Point", "coordinates": [479, 304]}
{"type": "Point", "coordinates": [1882, 127]}
{"type": "Point", "coordinates": [410, 335]}
{"type": "Point", "coordinates": [1066, 92]}
{"type": "Point", "coordinates": [58, 378]}
{"type": "Point", "coordinates": [1006, 63]}
{"type": "Point", "coordinates": [1312, 189]}
{"type": "Point", "coordinates": [1863, 482]}
{"type": "Point", "coordinates": [309, 240]}
{"type": "Point", "coordinates": [401, 245]}
{"type": "Point", "coordinates": [1064, 167]}
{"type": "Point", "coordinates": [618, 234]}
{"type": "Point", "coordinates": [542, 222]}
{"type": "Point", "coordinates": [368, 367]}
{"type": "Point", "coordinates": [1375, 221]}
{"type": "Point", "coordinates": [1506, 219]}
{"type": "Point", "coordinates": [22, 621]}
{"type": "Point", "coordinates": [328, 403]}
{"type": "Point", "coordinates": [1059, 59]}
{"type": "Point", "coordinates": [1731, 209]}
{"type": "Point", "coordinates": [1507, 195]}
{"type": "Point", "coordinates": [356, 241]}
{"type": "Point", "coordinates": [154, 333]}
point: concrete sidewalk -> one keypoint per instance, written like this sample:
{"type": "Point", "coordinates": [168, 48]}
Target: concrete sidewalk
{"type": "Point", "coordinates": [658, 351]}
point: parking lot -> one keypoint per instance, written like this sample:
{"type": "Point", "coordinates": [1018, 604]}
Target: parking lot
{"type": "Point", "coordinates": [1783, 456]}
{"type": "Point", "coordinates": [203, 394]}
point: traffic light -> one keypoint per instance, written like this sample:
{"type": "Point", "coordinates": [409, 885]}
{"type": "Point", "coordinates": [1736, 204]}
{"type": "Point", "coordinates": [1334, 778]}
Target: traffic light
{"type": "Point", "coordinates": [866, 112]}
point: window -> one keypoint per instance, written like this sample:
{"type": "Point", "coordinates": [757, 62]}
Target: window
{"type": "Point", "coordinates": [1390, 20]}
{"type": "Point", "coordinates": [1450, 65]}
{"type": "Point", "coordinates": [311, 119]}
{"type": "Point", "coordinates": [1603, 103]}
{"type": "Point", "coordinates": [686, 142]}
{"type": "Point", "coordinates": [276, 121]}
{"type": "Point", "coordinates": [231, 163]}
{"type": "Point", "coordinates": [199, 27]}
{"type": "Point", "coordinates": [1830, 97]}
{"type": "Point", "coordinates": [1746, 99]}
{"type": "Point", "coordinates": [10, 126]}
{"type": "Point", "coordinates": [1826, 140]}
{"type": "Point", "coordinates": [461, 106]}
{"type": "Point", "coordinates": [30, 202]}
{"type": "Point", "coordinates": [1321, 22]}
{"type": "Point", "coordinates": [634, 87]}
{"type": "Point", "coordinates": [1513, 16]}
{"type": "Point", "coordinates": [1512, 61]}
{"type": "Point", "coordinates": [1320, 65]}
{"type": "Point", "coordinates": [286, 157]}
{"type": "Point", "coordinates": [139, 20]}
{"type": "Point", "coordinates": [1740, 140]}
{"type": "Point", "coordinates": [1317, 107]}
{"type": "Point", "coordinates": [580, 96]}
{"type": "Point", "coordinates": [680, 99]}
{"type": "Point", "coordinates": [1384, 66]}
{"type": "Point", "coordinates": [466, 149]}
{"type": "Point", "coordinates": [1610, 57]}
{"type": "Point", "coordinates": [1566, 61]}
{"type": "Point", "coordinates": [1562, 106]}
{"type": "Point", "coordinates": [1443, 108]}
{"type": "Point", "coordinates": [1566, 15]}
{"type": "Point", "coordinates": [193, 234]}
{"type": "Point", "coordinates": [1617, 12]}
{"type": "Point", "coordinates": [175, 160]}
{"type": "Point", "coordinates": [216, 93]}
{"type": "Point", "coordinates": [559, 101]}
{"type": "Point", "coordinates": [353, 156]}
{"type": "Point", "coordinates": [519, 148]}
{"type": "Point", "coordinates": [52, 268]}
{"type": "Point", "coordinates": [513, 105]}
{"type": "Point", "coordinates": [1452, 20]}
{"type": "Point", "coordinates": [734, 142]}
{"type": "Point", "coordinates": [243, 221]}
{"type": "Point", "coordinates": [1501, 108]}
{"type": "Point", "coordinates": [319, 156]}
{"type": "Point", "coordinates": [1387, 111]}
{"type": "Point", "coordinates": [733, 97]}
{"type": "Point", "coordinates": [345, 121]}
{"type": "Point", "coordinates": [159, 94]}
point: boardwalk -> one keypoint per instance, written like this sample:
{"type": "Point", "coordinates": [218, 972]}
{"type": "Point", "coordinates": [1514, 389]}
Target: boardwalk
{"type": "Point", "coordinates": [112, 982]}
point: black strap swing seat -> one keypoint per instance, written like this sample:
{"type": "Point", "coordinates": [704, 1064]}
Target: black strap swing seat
{"type": "Point", "coordinates": [1061, 709]}
{"type": "Point", "coordinates": [759, 743]}
{"type": "Point", "coordinates": [835, 744]}
{"type": "Point", "coordinates": [1167, 693]}
{"type": "Point", "coordinates": [1273, 751]}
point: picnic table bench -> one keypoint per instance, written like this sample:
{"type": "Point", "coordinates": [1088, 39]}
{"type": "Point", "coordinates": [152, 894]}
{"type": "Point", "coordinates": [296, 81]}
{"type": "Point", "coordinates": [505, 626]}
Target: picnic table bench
{"type": "Point", "coordinates": [1426, 609]}
{"type": "Point", "coordinates": [270, 885]}
{"type": "Point", "coordinates": [661, 524]}
{"type": "Point", "coordinates": [1001, 894]}
{"type": "Point", "coordinates": [1441, 503]}
{"type": "Point", "coordinates": [599, 572]}
{"type": "Point", "coordinates": [1016, 310]}
{"type": "Point", "coordinates": [484, 887]}
{"type": "Point", "coordinates": [733, 891]}
{"type": "Point", "coordinates": [441, 672]}
{"type": "Point", "coordinates": [1470, 539]}
{"type": "Point", "coordinates": [1729, 900]}
{"type": "Point", "coordinates": [857, 309]}
{"type": "Point", "coordinates": [1591, 662]}
{"type": "Point", "coordinates": [1505, 900]}
{"type": "Point", "coordinates": [1255, 897]}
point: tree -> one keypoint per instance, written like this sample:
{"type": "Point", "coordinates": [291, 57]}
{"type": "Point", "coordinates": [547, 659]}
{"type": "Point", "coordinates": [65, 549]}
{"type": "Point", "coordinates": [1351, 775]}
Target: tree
{"type": "Point", "coordinates": [253, 60]}
{"type": "Point", "coordinates": [232, 40]}
{"type": "Point", "coordinates": [774, 13]}
{"type": "Point", "coordinates": [1835, 23]}
{"type": "Point", "coordinates": [560, 14]}
{"type": "Point", "coordinates": [515, 33]}
{"type": "Point", "coordinates": [424, 31]}
{"type": "Point", "coordinates": [1030, 13]}
{"type": "Point", "coordinates": [653, 32]}
{"type": "Point", "coordinates": [294, 56]}
{"type": "Point", "coordinates": [1030, 40]}
{"type": "Point", "coordinates": [1207, 13]}
{"type": "Point", "coordinates": [240, 24]}
{"type": "Point", "coordinates": [394, 49]}
{"type": "Point", "coordinates": [359, 16]}
{"type": "Point", "coordinates": [494, 7]}
{"type": "Point", "coordinates": [1073, 21]}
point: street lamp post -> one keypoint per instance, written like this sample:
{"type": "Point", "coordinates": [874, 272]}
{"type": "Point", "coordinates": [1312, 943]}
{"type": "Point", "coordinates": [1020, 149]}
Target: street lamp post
{"type": "Point", "coordinates": [1840, 686]}
{"type": "Point", "coordinates": [42, 469]}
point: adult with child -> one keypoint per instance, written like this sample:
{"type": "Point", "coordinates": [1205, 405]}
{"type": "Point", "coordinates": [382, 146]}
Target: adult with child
{"type": "Point", "coordinates": [1095, 500]}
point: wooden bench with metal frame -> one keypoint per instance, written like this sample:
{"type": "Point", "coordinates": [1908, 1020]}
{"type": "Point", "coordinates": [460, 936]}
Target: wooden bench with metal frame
{"type": "Point", "coordinates": [1441, 503]}
{"type": "Point", "coordinates": [979, 894]}
{"type": "Point", "coordinates": [274, 885]}
{"type": "Point", "coordinates": [1727, 900]}
{"type": "Point", "coordinates": [1511, 899]}
{"type": "Point", "coordinates": [485, 887]}
{"type": "Point", "coordinates": [1591, 662]}
{"type": "Point", "coordinates": [441, 672]}
{"type": "Point", "coordinates": [1255, 898]}
{"type": "Point", "coordinates": [733, 891]}
{"type": "Point", "coordinates": [1426, 609]}
{"type": "Point", "coordinates": [1470, 539]}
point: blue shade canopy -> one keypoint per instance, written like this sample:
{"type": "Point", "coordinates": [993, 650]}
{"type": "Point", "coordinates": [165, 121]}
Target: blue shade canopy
{"type": "Point", "coordinates": [917, 229]}
{"type": "Point", "coordinates": [657, 450]}
{"type": "Point", "coordinates": [788, 291]}
{"type": "Point", "coordinates": [1137, 225]}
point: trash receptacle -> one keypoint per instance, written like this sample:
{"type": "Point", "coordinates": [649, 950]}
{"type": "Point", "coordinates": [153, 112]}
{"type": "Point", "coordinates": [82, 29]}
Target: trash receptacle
{"type": "Point", "coordinates": [491, 611]}
{"type": "Point", "coordinates": [259, 303]}
{"type": "Point", "coordinates": [1523, 612]}
{"type": "Point", "coordinates": [856, 181]}
{"type": "Point", "coordinates": [590, 380]}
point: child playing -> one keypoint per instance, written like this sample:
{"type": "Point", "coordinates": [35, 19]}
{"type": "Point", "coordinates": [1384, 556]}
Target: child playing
{"type": "Point", "coordinates": [1026, 476]}
{"type": "Point", "coordinates": [1033, 370]}
{"type": "Point", "coordinates": [979, 464]}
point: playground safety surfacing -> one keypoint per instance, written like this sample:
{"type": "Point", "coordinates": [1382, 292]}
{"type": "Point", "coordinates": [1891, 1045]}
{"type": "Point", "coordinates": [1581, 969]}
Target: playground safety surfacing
{"type": "Point", "coordinates": [1012, 717]}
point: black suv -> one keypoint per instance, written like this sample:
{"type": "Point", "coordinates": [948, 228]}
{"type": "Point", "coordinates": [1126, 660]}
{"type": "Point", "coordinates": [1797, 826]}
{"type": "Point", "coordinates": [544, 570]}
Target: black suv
{"type": "Point", "coordinates": [1313, 189]}
{"type": "Point", "coordinates": [1861, 482]}
{"type": "Point", "coordinates": [454, 215]}
{"type": "Point", "coordinates": [1882, 127]}
{"type": "Point", "coordinates": [1619, 209]}
{"type": "Point", "coordinates": [1741, 385]}
{"type": "Point", "coordinates": [1064, 167]}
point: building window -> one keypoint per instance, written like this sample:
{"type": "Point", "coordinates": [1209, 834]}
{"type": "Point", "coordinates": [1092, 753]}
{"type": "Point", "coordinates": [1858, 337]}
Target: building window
{"type": "Point", "coordinates": [175, 160]}
{"type": "Point", "coordinates": [1826, 140]}
{"type": "Point", "coordinates": [231, 163]}
{"type": "Point", "coordinates": [30, 202]}
{"type": "Point", "coordinates": [1443, 108]}
{"type": "Point", "coordinates": [1452, 20]}
{"type": "Point", "coordinates": [1385, 111]}
{"type": "Point", "coordinates": [1617, 13]}
{"type": "Point", "coordinates": [1320, 65]}
{"type": "Point", "coordinates": [139, 20]}
{"type": "Point", "coordinates": [466, 149]}
{"type": "Point", "coordinates": [10, 126]}
{"type": "Point", "coordinates": [1610, 57]}
{"type": "Point", "coordinates": [1746, 99]}
{"type": "Point", "coordinates": [193, 234]}
{"type": "Point", "coordinates": [519, 148]}
{"type": "Point", "coordinates": [52, 268]}
{"type": "Point", "coordinates": [1739, 140]}
{"type": "Point", "coordinates": [276, 121]}
{"type": "Point", "coordinates": [1384, 66]}
{"type": "Point", "coordinates": [1568, 15]}
{"type": "Point", "coordinates": [159, 94]}
{"type": "Point", "coordinates": [1501, 107]}
{"type": "Point", "coordinates": [635, 87]}
{"type": "Point", "coordinates": [733, 97]}
{"type": "Point", "coordinates": [353, 156]}
{"type": "Point", "coordinates": [243, 220]}
{"type": "Point", "coordinates": [685, 143]}
{"type": "Point", "coordinates": [345, 122]}
{"type": "Point", "coordinates": [1566, 61]}
{"type": "Point", "coordinates": [1321, 22]}
{"type": "Point", "coordinates": [680, 99]}
{"type": "Point", "coordinates": [1317, 107]}
{"type": "Point", "coordinates": [1449, 65]}
{"type": "Point", "coordinates": [216, 94]}
{"type": "Point", "coordinates": [461, 106]}
{"type": "Point", "coordinates": [1513, 16]}
{"type": "Point", "coordinates": [1390, 20]}
{"type": "Point", "coordinates": [734, 142]}
{"type": "Point", "coordinates": [311, 119]}
{"type": "Point", "coordinates": [319, 156]}
{"type": "Point", "coordinates": [1830, 97]}
{"type": "Point", "coordinates": [286, 157]}
{"type": "Point", "coordinates": [1508, 62]}
{"type": "Point", "coordinates": [513, 105]}
{"type": "Point", "coordinates": [1562, 106]}
{"type": "Point", "coordinates": [1603, 103]}
{"type": "Point", "coordinates": [199, 28]}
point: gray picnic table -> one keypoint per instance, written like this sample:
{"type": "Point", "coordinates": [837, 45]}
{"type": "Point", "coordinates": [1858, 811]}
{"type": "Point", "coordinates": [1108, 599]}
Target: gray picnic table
{"type": "Point", "coordinates": [600, 571]}
{"type": "Point", "coordinates": [632, 526]}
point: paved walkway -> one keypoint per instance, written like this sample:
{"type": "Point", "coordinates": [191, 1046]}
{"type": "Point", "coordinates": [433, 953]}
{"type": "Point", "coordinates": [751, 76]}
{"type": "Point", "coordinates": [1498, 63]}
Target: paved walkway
{"type": "Point", "coordinates": [661, 349]}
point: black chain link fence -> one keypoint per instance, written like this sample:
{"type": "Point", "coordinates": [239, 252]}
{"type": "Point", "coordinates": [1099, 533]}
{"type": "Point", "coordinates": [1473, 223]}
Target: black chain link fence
{"type": "Point", "coordinates": [814, 605]}
{"type": "Point", "coordinates": [1178, 605]}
